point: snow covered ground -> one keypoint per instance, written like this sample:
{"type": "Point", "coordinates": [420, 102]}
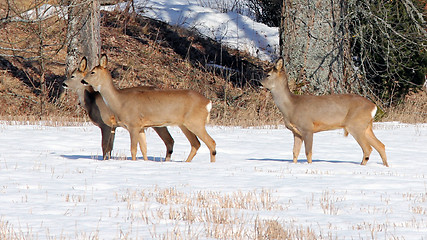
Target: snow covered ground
{"type": "Point", "coordinates": [232, 29]}
{"type": "Point", "coordinates": [54, 185]}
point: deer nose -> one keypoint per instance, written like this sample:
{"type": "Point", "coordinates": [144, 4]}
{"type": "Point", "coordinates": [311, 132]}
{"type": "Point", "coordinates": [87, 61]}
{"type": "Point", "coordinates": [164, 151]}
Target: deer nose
{"type": "Point", "coordinates": [64, 85]}
{"type": "Point", "coordinates": [84, 82]}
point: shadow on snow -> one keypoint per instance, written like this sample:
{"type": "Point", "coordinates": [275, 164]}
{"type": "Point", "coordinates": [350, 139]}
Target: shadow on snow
{"type": "Point", "coordinates": [301, 161]}
{"type": "Point", "coordinates": [99, 158]}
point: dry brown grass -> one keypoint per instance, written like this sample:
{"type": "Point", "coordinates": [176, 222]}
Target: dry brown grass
{"type": "Point", "coordinates": [8, 232]}
{"type": "Point", "coordinates": [273, 229]}
{"type": "Point", "coordinates": [216, 215]}
{"type": "Point", "coordinates": [145, 52]}
{"type": "Point", "coordinates": [146, 55]}
{"type": "Point", "coordinates": [205, 215]}
{"type": "Point", "coordinates": [412, 110]}
{"type": "Point", "coordinates": [20, 5]}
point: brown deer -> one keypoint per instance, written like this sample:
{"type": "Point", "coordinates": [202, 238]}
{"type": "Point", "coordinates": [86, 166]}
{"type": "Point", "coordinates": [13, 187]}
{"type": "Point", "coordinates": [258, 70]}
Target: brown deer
{"type": "Point", "coordinates": [101, 115]}
{"type": "Point", "coordinates": [305, 115]}
{"type": "Point", "coordinates": [138, 110]}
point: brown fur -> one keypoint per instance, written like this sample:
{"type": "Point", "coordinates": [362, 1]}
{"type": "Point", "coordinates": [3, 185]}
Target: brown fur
{"type": "Point", "coordinates": [305, 115]}
{"type": "Point", "coordinates": [102, 116]}
{"type": "Point", "coordinates": [138, 110]}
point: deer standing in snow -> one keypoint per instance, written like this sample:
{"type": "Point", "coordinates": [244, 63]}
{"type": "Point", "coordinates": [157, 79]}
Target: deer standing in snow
{"type": "Point", "coordinates": [138, 110]}
{"type": "Point", "coordinates": [101, 115]}
{"type": "Point", "coordinates": [305, 115]}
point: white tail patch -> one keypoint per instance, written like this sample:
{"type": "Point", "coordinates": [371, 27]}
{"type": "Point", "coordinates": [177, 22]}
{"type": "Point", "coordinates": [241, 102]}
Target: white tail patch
{"type": "Point", "coordinates": [209, 106]}
{"type": "Point", "coordinates": [374, 112]}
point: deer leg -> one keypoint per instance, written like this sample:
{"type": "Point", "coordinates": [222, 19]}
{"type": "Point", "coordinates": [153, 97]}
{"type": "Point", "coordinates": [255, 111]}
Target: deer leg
{"type": "Point", "coordinates": [201, 133]}
{"type": "Point", "coordinates": [111, 140]}
{"type": "Point", "coordinates": [361, 139]}
{"type": "Point", "coordinates": [207, 139]}
{"type": "Point", "coordinates": [377, 144]}
{"type": "Point", "coordinates": [194, 142]}
{"type": "Point", "coordinates": [134, 139]}
{"type": "Point", "coordinates": [143, 144]}
{"type": "Point", "coordinates": [167, 139]}
{"type": "Point", "coordinates": [297, 147]}
{"type": "Point", "coordinates": [308, 144]}
{"type": "Point", "coordinates": [107, 140]}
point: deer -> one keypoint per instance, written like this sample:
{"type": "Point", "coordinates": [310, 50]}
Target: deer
{"type": "Point", "coordinates": [187, 109]}
{"type": "Point", "coordinates": [101, 115]}
{"type": "Point", "coordinates": [305, 115]}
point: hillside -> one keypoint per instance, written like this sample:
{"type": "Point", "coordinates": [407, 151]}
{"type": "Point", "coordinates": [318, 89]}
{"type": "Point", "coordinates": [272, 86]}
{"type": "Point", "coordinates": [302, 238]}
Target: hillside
{"type": "Point", "coordinates": [143, 51]}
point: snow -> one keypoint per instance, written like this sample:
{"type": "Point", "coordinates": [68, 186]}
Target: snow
{"type": "Point", "coordinates": [53, 184]}
{"type": "Point", "coordinates": [44, 12]}
{"type": "Point", "coordinates": [232, 29]}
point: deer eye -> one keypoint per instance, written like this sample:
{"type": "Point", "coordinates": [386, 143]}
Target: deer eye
{"type": "Point", "coordinates": [92, 73]}
{"type": "Point", "coordinates": [72, 76]}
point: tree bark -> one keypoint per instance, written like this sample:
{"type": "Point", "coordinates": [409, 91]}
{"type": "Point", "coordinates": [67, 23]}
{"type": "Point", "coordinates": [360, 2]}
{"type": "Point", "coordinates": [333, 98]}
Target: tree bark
{"type": "Point", "coordinates": [83, 33]}
{"type": "Point", "coordinates": [314, 43]}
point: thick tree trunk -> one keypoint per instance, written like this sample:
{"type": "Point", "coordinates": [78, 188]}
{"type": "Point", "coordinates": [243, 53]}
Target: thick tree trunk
{"type": "Point", "coordinates": [314, 43]}
{"type": "Point", "coordinates": [83, 33]}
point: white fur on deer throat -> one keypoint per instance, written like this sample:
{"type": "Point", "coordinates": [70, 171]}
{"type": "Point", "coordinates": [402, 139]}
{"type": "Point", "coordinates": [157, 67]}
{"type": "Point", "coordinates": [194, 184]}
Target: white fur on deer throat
{"type": "Point", "coordinates": [97, 88]}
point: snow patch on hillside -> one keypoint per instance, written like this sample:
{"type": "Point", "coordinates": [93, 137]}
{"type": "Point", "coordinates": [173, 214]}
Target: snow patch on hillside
{"type": "Point", "coordinates": [232, 29]}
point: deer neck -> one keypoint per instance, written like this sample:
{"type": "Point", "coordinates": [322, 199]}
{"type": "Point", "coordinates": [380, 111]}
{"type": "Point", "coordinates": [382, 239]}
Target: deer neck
{"type": "Point", "coordinates": [110, 95]}
{"type": "Point", "coordinates": [81, 94]}
{"type": "Point", "coordinates": [283, 97]}
{"type": "Point", "coordinates": [85, 96]}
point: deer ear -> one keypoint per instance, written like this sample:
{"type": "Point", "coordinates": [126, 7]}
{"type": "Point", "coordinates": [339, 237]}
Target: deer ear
{"type": "Point", "coordinates": [83, 64]}
{"type": "Point", "coordinates": [279, 64]}
{"type": "Point", "coordinates": [103, 61]}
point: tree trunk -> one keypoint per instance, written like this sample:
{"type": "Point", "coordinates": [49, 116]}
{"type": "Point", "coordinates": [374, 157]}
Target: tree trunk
{"type": "Point", "coordinates": [314, 43]}
{"type": "Point", "coordinates": [83, 33]}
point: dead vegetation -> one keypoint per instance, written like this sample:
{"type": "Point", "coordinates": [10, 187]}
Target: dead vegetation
{"type": "Point", "coordinates": [147, 52]}
{"type": "Point", "coordinates": [208, 214]}
{"type": "Point", "coordinates": [412, 110]}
